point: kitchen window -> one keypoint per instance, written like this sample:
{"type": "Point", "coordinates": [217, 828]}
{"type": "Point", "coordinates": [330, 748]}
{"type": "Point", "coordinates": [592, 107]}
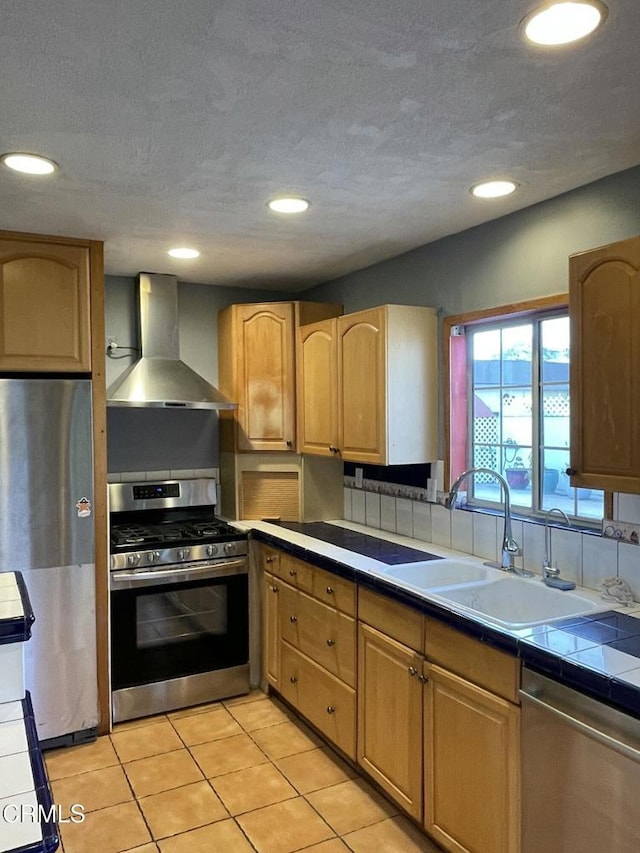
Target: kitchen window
{"type": "Point", "coordinates": [509, 408]}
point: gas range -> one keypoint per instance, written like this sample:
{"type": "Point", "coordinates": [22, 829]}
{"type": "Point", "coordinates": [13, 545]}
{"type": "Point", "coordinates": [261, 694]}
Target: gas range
{"type": "Point", "coordinates": [169, 523]}
{"type": "Point", "coordinates": [179, 593]}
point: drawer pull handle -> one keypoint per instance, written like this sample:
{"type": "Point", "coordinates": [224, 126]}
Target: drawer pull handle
{"type": "Point", "coordinates": [293, 618]}
{"type": "Point", "coordinates": [293, 573]}
{"type": "Point", "coordinates": [330, 709]}
{"type": "Point", "coordinates": [293, 679]}
{"type": "Point", "coordinates": [329, 590]}
{"type": "Point", "coordinates": [274, 589]}
{"type": "Point", "coordinates": [331, 642]}
{"type": "Point", "coordinates": [412, 671]}
{"type": "Point", "coordinates": [423, 679]}
{"type": "Point", "coordinates": [271, 559]}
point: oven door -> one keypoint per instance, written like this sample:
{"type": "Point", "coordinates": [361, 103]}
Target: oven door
{"type": "Point", "coordinates": [167, 624]}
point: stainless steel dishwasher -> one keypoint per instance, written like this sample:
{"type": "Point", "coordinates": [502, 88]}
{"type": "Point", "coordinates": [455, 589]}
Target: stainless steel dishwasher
{"type": "Point", "coordinates": [580, 772]}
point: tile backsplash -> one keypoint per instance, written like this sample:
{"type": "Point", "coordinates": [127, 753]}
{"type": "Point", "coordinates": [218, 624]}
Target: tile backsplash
{"type": "Point", "coordinates": [586, 558]}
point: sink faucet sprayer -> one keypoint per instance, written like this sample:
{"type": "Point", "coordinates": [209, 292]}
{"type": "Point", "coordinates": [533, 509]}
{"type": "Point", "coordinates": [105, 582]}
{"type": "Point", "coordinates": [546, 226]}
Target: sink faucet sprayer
{"type": "Point", "coordinates": [509, 547]}
{"type": "Point", "coordinates": [551, 573]}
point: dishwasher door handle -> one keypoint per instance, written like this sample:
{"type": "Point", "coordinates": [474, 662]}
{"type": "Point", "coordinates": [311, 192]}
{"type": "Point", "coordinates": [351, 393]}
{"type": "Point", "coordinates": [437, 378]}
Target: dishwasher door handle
{"type": "Point", "coordinates": [584, 728]}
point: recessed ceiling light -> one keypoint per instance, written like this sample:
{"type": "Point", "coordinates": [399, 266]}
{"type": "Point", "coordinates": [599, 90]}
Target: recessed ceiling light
{"type": "Point", "coordinates": [288, 205]}
{"type": "Point", "coordinates": [493, 189]}
{"type": "Point", "coordinates": [563, 23]}
{"type": "Point", "coordinates": [184, 254]}
{"type": "Point", "coordinates": [29, 164]}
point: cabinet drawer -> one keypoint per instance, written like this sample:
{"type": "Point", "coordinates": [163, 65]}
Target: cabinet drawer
{"type": "Point", "coordinates": [268, 559]}
{"type": "Point", "coordinates": [326, 702]}
{"type": "Point", "coordinates": [295, 572]}
{"type": "Point", "coordinates": [335, 591]}
{"type": "Point", "coordinates": [320, 632]}
{"type": "Point", "coordinates": [396, 620]}
{"type": "Point", "coordinates": [497, 671]}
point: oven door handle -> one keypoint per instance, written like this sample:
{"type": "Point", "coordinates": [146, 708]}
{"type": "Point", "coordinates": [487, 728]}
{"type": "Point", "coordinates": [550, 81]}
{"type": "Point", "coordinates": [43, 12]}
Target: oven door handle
{"type": "Point", "coordinates": [229, 567]}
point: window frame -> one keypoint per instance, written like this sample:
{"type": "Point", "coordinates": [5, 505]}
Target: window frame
{"type": "Point", "coordinates": [456, 384]}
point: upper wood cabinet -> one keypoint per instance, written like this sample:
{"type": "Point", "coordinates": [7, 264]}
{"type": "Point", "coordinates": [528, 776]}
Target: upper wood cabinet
{"type": "Point", "coordinates": [367, 386]}
{"type": "Point", "coordinates": [388, 385]}
{"type": "Point", "coordinates": [256, 354]}
{"type": "Point", "coordinates": [317, 377]}
{"type": "Point", "coordinates": [45, 322]}
{"type": "Point", "coordinates": [604, 309]}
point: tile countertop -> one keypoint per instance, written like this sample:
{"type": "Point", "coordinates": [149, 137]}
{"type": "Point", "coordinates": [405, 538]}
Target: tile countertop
{"type": "Point", "coordinates": [27, 815]}
{"type": "Point", "coordinates": [16, 614]}
{"type": "Point", "coordinates": [27, 821]}
{"type": "Point", "coordinates": [598, 654]}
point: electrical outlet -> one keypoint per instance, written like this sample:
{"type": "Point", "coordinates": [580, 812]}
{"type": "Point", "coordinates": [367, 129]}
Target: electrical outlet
{"type": "Point", "coordinates": [359, 482]}
{"type": "Point", "coordinates": [623, 531]}
{"type": "Point", "coordinates": [112, 343]}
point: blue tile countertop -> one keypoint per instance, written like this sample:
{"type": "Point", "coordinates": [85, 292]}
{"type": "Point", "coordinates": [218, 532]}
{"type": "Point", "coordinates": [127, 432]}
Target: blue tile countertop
{"type": "Point", "coordinates": [16, 614]}
{"type": "Point", "coordinates": [27, 817]}
{"type": "Point", "coordinates": [598, 653]}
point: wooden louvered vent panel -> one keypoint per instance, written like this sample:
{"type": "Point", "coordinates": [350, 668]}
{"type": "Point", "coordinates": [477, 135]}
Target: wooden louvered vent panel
{"type": "Point", "coordinates": [270, 494]}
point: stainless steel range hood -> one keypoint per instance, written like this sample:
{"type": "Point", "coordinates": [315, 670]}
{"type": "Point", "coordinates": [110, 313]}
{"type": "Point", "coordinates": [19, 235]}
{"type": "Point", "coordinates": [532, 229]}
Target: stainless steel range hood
{"type": "Point", "coordinates": [159, 378]}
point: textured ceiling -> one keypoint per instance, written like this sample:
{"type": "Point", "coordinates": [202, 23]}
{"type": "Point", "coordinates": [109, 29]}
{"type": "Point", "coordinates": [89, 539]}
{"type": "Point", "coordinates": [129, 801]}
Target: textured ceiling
{"type": "Point", "coordinates": [173, 123]}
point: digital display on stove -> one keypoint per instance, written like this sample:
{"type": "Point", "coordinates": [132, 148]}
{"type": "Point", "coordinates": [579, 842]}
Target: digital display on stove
{"type": "Point", "coordinates": [156, 490]}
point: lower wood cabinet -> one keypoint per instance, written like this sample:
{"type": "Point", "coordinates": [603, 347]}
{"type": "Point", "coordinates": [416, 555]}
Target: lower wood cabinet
{"type": "Point", "coordinates": [429, 713]}
{"type": "Point", "coordinates": [271, 629]}
{"type": "Point", "coordinates": [322, 633]}
{"type": "Point", "coordinates": [328, 703]}
{"type": "Point", "coordinates": [471, 766]}
{"type": "Point", "coordinates": [390, 717]}
{"type": "Point", "coordinates": [309, 642]}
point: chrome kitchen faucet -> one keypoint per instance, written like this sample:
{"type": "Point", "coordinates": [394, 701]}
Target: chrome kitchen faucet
{"type": "Point", "coordinates": [509, 547]}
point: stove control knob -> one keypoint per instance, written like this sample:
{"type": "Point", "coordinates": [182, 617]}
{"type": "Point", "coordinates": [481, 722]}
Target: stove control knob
{"type": "Point", "coordinates": [212, 550]}
{"type": "Point", "coordinates": [133, 559]}
{"type": "Point", "coordinates": [154, 556]}
{"type": "Point", "coordinates": [229, 548]}
{"type": "Point", "coordinates": [183, 553]}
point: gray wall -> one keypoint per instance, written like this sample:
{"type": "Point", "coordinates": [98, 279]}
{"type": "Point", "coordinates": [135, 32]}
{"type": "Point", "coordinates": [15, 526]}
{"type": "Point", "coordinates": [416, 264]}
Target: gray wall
{"type": "Point", "coordinates": [520, 256]}
{"type": "Point", "coordinates": [155, 439]}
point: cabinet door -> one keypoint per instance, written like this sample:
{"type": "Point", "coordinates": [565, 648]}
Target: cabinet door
{"type": "Point", "coordinates": [44, 306]}
{"type": "Point", "coordinates": [265, 369]}
{"type": "Point", "coordinates": [472, 782]}
{"type": "Point", "coordinates": [362, 386]}
{"type": "Point", "coordinates": [604, 308]}
{"type": "Point", "coordinates": [317, 365]}
{"type": "Point", "coordinates": [271, 629]}
{"type": "Point", "coordinates": [390, 717]}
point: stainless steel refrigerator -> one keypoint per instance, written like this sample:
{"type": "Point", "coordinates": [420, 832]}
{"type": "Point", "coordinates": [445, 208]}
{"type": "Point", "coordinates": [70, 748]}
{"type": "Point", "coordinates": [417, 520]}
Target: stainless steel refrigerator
{"type": "Point", "coordinates": [47, 533]}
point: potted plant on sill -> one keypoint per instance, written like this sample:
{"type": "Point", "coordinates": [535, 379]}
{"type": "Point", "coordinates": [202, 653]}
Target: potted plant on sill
{"type": "Point", "coordinates": [517, 474]}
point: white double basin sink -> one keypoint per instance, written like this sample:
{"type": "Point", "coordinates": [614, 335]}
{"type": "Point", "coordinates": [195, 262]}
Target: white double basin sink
{"type": "Point", "coordinates": [499, 597]}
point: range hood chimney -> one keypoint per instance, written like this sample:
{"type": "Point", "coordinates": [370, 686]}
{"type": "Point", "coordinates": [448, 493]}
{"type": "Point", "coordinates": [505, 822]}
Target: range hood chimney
{"type": "Point", "coordinates": [159, 378]}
